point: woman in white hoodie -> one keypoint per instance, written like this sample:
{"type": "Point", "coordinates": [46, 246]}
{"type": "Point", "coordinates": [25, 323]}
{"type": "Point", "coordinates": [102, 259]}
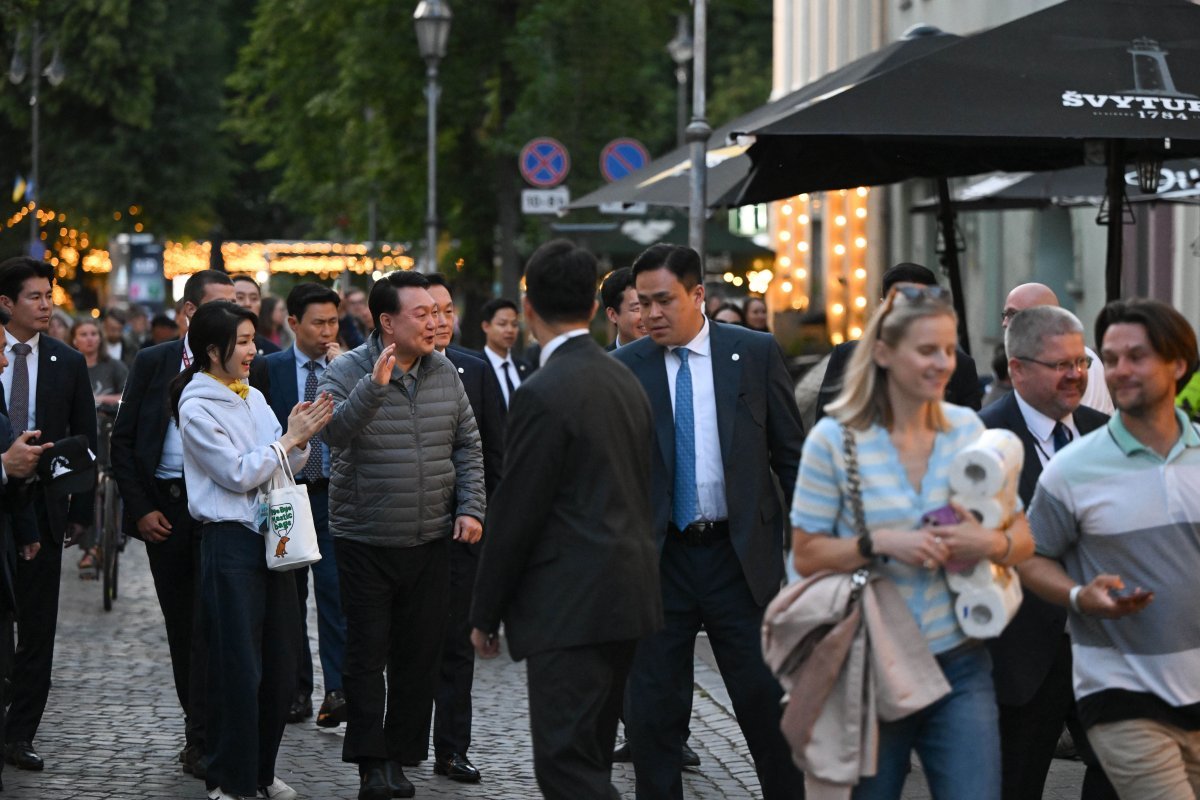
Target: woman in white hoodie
{"type": "Point", "coordinates": [250, 612]}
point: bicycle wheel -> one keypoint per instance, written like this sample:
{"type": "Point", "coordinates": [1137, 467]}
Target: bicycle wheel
{"type": "Point", "coordinates": [108, 539]}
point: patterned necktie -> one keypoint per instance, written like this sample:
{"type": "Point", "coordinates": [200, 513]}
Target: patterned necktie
{"type": "Point", "coordinates": [18, 397]}
{"type": "Point", "coordinates": [685, 496]}
{"type": "Point", "coordinates": [508, 382]}
{"type": "Point", "coordinates": [316, 454]}
{"type": "Point", "coordinates": [1061, 436]}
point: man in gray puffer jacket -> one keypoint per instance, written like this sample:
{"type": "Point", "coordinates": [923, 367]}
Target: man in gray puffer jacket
{"type": "Point", "coordinates": [406, 473]}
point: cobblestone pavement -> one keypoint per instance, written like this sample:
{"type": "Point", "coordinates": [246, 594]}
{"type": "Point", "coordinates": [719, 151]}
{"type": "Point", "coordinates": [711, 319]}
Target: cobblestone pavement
{"type": "Point", "coordinates": [113, 727]}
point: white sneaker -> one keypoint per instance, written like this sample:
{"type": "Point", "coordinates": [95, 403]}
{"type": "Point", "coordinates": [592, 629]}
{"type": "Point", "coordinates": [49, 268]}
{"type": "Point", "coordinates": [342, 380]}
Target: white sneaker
{"type": "Point", "coordinates": [278, 790]}
{"type": "Point", "coordinates": [221, 794]}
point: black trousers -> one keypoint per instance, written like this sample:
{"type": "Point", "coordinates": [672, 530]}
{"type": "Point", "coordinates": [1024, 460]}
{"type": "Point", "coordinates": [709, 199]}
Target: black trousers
{"type": "Point", "coordinates": [250, 613]}
{"type": "Point", "coordinates": [452, 713]}
{"type": "Point", "coordinates": [394, 601]}
{"type": "Point", "coordinates": [704, 586]}
{"type": "Point", "coordinates": [175, 566]}
{"type": "Point", "coordinates": [575, 696]}
{"type": "Point", "coordinates": [1029, 734]}
{"type": "Point", "coordinates": [37, 621]}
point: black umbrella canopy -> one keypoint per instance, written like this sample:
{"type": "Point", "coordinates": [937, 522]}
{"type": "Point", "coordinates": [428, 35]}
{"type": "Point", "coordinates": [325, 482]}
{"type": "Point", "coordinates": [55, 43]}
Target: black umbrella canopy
{"type": "Point", "coordinates": [665, 181]}
{"type": "Point", "coordinates": [1027, 95]}
{"type": "Point", "coordinates": [1179, 182]}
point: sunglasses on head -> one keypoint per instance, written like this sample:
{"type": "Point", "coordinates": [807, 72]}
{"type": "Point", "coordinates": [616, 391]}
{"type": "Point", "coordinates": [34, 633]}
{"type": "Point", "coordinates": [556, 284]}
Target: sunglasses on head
{"type": "Point", "coordinates": [919, 294]}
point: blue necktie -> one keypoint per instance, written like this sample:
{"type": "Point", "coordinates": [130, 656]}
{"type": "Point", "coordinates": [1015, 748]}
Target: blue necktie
{"type": "Point", "coordinates": [314, 467]}
{"type": "Point", "coordinates": [686, 500]}
{"type": "Point", "coordinates": [1061, 436]}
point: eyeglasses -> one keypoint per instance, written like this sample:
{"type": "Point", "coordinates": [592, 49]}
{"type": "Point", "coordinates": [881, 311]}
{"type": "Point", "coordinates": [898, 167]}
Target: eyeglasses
{"type": "Point", "coordinates": [1081, 364]}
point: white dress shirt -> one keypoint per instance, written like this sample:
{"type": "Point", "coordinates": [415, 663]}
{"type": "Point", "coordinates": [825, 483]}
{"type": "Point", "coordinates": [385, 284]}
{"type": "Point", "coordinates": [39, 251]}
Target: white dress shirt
{"type": "Point", "coordinates": [1097, 395]}
{"type": "Point", "coordinates": [170, 463]}
{"type": "Point", "coordinates": [498, 362]}
{"type": "Point", "coordinates": [31, 369]}
{"type": "Point", "coordinates": [1041, 428]}
{"type": "Point", "coordinates": [710, 468]}
{"type": "Point", "coordinates": [556, 342]}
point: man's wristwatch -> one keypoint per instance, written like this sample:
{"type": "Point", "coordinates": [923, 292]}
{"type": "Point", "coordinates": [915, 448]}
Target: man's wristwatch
{"type": "Point", "coordinates": [866, 548]}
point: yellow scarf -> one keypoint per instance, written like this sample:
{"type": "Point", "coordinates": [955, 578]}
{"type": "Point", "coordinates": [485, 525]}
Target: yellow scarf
{"type": "Point", "coordinates": [242, 390]}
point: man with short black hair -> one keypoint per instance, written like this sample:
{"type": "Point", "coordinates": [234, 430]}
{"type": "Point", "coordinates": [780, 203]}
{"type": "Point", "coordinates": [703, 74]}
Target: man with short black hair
{"type": "Point", "coordinates": [1116, 525]}
{"type": "Point", "coordinates": [728, 437]}
{"type": "Point", "coordinates": [295, 374]}
{"type": "Point", "coordinates": [147, 459]}
{"type": "Point", "coordinates": [356, 323]}
{"type": "Point", "coordinates": [162, 329]}
{"type": "Point", "coordinates": [618, 295]}
{"type": "Point", "coordinates": [248, 295]}
{"type": "Point", "coordinates": [119, 344]}
{"type": "Point", "coordinates": [45, 389]}
{"type": "Point", "coordinates": [569, 523]}
{"type": "Point", "coordinates": [406, 477]}
{"type": "Point", "coordinates": [501, 329]}
{"type": "Point", "coordinates": [456, 674]}
{"type": "Point", "coordinates": [963, 388]}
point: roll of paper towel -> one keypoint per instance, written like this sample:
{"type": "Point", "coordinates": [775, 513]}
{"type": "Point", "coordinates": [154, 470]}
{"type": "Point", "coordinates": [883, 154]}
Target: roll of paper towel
{"type": "Point", "coordinates": [992, 512]}
{"type": "Point", "coordinates": [984, 613]}
{"type": "Point", "coordinates": [988, 466]}
{"type": "Point", "coordinates": [979, 575]}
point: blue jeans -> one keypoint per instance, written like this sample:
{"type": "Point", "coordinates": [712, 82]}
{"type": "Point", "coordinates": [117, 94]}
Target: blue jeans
{"type": "Point", "coordinates": [957, 738]}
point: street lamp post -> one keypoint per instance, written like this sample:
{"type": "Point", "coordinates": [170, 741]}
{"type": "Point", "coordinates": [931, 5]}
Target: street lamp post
{"type": "Point", "coordinates": [432, 21]}
{"type": "Point", "coordinates": [698, 133]}
{"type": "Point", "coordinates": [54, 72]}
{"type": "Point", "coordinates": [680, 49]}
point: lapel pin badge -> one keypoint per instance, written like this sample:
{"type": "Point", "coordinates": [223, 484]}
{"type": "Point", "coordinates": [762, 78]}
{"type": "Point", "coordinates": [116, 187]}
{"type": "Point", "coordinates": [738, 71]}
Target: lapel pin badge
{"type": "Point", "coordinates": [736, 357]}
{"type": "Point", "coordinates": [54, 358]}
{"type": "Point", "coordinates": [460, 369]}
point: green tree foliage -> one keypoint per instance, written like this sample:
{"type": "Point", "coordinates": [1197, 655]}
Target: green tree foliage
{"type": "Point", "coordinates": [135, 122]}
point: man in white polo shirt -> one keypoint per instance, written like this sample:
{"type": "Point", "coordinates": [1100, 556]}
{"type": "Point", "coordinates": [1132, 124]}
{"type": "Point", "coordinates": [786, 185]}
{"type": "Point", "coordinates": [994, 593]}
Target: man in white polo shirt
{"type": "Point", "coordinates": [1116, 518]}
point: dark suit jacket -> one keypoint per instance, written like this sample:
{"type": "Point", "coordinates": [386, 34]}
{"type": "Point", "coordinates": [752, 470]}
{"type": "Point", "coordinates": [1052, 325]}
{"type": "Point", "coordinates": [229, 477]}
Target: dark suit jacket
{"type": "Point", "coordinates": [524, 369]}
{"type": "Point", "coordinates": [13, 502]}
{"type": "Point", "coordinates": [135, 447]}
{"type": "Point", "coordinates": [761, 439]}
{"type": "Point", "coordinates": [65, 407]}
{"type": "Point", "coordinates": [963, 389]}
{"type": "Point", "coordinates": [569, 556]}
{"type": "Point", "coordinates": [487, 403]}
{"type": "Point", "coordinates": [265, 346]}
{"type": "Point", "coordinates": [1023, 654]}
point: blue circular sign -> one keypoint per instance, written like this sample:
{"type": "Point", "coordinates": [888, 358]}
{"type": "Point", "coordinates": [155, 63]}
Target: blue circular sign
{"type": "Point", "coordinates": [622, 157]}
{"type": "Point", "coordinates": [544, 162]}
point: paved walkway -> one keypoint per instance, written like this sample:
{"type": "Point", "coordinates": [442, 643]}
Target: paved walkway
{"type": "Point", "coordinates": [113, 727]}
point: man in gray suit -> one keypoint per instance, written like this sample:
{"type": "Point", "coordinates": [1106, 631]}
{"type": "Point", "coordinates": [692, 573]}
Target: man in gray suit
{"type": "Point", "coordinates": [727, 438]}
{"type": "Point", "coordinates": [568, 562]}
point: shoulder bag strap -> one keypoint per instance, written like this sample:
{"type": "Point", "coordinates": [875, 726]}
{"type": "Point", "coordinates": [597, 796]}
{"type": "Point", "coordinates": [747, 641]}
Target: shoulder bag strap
{"type": "Point", "coordinates": [854, 484]}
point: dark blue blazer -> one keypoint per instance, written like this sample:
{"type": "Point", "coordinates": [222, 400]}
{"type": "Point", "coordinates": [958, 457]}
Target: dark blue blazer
{"type": "Point", "coordinates": [13, 504]}
{"type": "Point", "coordinates": [1023, 654]}
{"type": "Point", "coordinates": [65, 407]}
{"type": "Point", "coordinates": [761, 438]}
{"type": "Point", "coordinates": [281, 377]}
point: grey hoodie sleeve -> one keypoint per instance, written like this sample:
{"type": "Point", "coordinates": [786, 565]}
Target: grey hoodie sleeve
{"type": "Point", "coordinates": [356, 400]}
{"type": "Point", "coordinates": [205, 441]}
{"type": "Point", "coordinates": [468, 462]}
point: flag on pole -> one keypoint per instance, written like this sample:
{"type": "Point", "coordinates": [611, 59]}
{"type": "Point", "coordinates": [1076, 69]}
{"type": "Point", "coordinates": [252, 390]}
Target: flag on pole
{"type": "Point", "coordinates": [18, 190]}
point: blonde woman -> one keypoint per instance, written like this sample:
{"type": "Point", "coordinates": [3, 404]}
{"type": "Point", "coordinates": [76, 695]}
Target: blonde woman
{"type": "Point", "coordinates": [905, 437]}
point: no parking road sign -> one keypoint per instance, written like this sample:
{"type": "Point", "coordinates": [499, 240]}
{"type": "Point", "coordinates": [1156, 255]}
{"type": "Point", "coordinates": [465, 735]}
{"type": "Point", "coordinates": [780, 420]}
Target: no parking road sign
{"type": "Point", "coordinates": [544, 162]}
{"type": "Point", "coordinates": [622, 157]}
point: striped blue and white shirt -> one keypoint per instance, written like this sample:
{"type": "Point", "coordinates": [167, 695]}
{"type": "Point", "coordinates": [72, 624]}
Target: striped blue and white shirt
{"type": "Point", "coordinates": [821, 505]}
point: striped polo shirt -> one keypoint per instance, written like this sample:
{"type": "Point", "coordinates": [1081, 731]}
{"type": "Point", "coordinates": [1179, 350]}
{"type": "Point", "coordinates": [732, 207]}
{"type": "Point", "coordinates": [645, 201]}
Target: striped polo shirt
{"type": "Point", "coordinates": [1108, 504]}
{"type": "Point", "coordinates": [821, 505]}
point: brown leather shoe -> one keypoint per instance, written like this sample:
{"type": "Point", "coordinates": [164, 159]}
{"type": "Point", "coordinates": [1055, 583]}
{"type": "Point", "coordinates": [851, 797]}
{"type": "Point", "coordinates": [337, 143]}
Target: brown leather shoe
{"type": "Point", "coordinates": [333, 710]}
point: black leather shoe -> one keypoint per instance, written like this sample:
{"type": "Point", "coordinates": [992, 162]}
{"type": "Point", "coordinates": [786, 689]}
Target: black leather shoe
{"type": "Point", "coordinates": [192, 762]}
{"type": "Point", "coordinates": [399, 785]}
{"type": "Point", "coordinates": [333, 710]}
{"type": "Point", "coordinates": [690, 758]}
{"type": "Point", "coordinates": [300, 709]}
{"type": "Point", "coordinates": [22, 756]}
{"type": "Point", "coordinates": [373, 783]}
{"type": "Point", "coordinates": [456, 767]}
{"type": "Point", "coordinates": [622, 755]}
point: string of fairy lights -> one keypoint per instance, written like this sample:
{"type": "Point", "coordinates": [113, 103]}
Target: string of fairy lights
{"type": "Point", "coordinates": [69, 249]}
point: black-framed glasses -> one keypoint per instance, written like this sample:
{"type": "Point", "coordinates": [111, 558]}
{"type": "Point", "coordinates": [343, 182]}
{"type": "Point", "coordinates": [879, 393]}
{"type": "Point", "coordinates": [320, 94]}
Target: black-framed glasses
{"type": "Point", "coordinates": [1081, 364]}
